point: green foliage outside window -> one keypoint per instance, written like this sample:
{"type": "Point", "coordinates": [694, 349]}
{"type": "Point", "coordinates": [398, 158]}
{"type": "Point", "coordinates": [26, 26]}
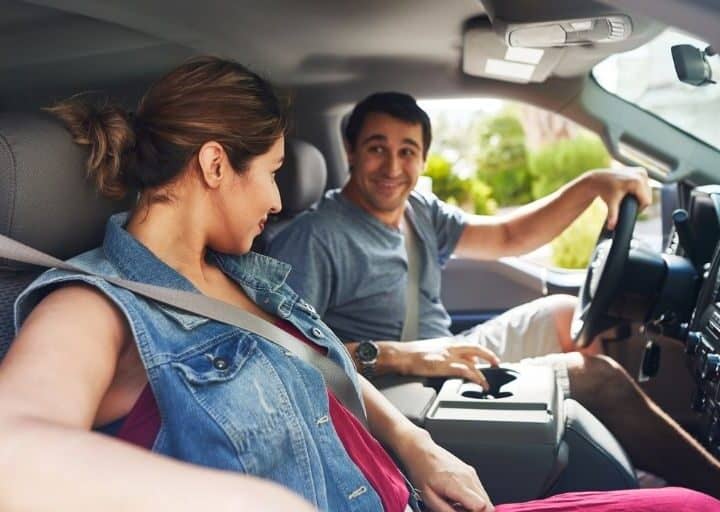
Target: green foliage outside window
{"type": "Point", "coordinates": [562, 161]}
{"type": "Point", "coordinates": [573, 248]}
{"type": "Point", "coordinates": [508, 174]}
{"type": "Point", "coordinates": [556, 164]}
{"type": "Point", "coordinates": [503, 159]}
{"type": "Point", "coordinates": [470, 194]}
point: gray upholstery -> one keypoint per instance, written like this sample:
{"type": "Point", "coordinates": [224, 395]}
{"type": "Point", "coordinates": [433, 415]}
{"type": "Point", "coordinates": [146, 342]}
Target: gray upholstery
{"type": "Point", "coordinates": [596, 462]}
{"type": "Point", "coordinates": [302, 177]}
{"type": "Point", "coordinates": [45, 201]}
{"type": "Point", "coordinates": [301, 180]}
{"type": "Point", "coordinates": [11, 284]}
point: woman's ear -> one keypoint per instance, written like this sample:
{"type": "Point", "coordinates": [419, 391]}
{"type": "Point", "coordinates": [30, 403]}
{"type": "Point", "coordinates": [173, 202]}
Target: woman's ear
{"type": "Point", "coordinates": [212, 161]}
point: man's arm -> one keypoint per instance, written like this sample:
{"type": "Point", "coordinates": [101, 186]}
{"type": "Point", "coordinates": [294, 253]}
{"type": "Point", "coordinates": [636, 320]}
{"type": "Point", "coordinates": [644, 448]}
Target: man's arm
{"type": "Point", "coordinates": [537, 223]}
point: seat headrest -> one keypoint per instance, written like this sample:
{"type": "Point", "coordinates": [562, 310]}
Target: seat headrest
{"type": "Point", "coordinates": [45, 200]}
{"type": "Point", "coordinates": [302, 177]}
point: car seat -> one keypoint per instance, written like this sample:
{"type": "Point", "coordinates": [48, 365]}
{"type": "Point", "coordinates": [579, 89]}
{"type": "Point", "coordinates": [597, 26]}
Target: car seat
{"type": "Point", "coordinates": [301, 180]}
{"type": "Point", "coordinates": [45, 201]}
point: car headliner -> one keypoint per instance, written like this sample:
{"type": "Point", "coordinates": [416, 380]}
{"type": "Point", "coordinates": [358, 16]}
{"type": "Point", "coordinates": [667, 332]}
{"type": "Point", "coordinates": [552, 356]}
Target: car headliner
{"type": "Point", "coordinates": [328, 53]}
{"type": "Point", "coordinates": [80, 43]}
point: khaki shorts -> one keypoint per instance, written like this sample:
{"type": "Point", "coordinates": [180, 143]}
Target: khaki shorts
{"type": "Point", "coordinates": [526, 334]}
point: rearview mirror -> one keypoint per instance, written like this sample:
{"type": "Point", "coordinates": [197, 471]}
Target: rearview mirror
{"type": "Point", "coordinates": [692, 65]}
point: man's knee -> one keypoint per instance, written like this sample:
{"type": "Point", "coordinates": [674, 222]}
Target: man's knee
{"type": "Point", "coordinates": [600, 380]}
{"type": "Point", "coordinates": [560, 307]}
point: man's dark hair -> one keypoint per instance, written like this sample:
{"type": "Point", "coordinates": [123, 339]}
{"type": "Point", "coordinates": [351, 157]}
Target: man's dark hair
{"type": "Point", "coordinates": [396, 104]}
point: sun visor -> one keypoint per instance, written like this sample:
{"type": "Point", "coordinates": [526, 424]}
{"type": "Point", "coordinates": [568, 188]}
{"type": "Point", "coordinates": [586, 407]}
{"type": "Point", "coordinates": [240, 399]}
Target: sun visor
{"type": "Point", "coordinates": [487, 55]}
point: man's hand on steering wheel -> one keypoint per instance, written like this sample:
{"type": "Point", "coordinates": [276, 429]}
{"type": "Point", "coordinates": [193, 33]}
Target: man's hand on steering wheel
{"type": "Point", "coordinates": [613, 184]}
{"type": "Point", "coordinates": [625, 193]}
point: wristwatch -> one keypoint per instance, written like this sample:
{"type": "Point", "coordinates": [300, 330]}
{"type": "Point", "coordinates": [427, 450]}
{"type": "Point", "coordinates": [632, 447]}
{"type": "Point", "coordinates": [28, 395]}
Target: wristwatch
{"type": "Point", "coordinates": [367, 354]}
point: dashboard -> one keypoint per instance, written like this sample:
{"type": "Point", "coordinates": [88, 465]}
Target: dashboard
{"type": "Point", "coordinates": [699, 243]}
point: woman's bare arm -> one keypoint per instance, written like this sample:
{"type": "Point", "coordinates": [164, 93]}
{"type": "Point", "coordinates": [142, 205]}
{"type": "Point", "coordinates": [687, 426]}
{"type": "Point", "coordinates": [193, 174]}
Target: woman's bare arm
{"type": "Point", "coordinates": [51, 383]}
{"type": "Point", "coordinates": [441, 478]}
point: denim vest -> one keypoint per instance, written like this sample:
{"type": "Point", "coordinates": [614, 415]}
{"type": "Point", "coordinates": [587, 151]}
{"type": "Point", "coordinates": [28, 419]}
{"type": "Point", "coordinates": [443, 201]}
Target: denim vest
{"type": "Point", "coordinates": [228, 398]}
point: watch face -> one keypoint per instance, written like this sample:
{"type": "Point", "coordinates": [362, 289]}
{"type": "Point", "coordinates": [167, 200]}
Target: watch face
{"type": "Point", "coordinates": [367, 351]}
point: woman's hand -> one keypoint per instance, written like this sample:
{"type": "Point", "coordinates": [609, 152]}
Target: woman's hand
{"type": "Point", "coordinates": [446, 483]}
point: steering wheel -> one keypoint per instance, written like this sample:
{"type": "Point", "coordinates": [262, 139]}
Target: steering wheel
{"type": "Point", "coordinates": [604, 275]}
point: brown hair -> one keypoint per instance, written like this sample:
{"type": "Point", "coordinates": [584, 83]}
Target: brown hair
{"type": "Point", "coordinates": [395, 104]}
{"type": "Point", "coordinates": [204, 99]}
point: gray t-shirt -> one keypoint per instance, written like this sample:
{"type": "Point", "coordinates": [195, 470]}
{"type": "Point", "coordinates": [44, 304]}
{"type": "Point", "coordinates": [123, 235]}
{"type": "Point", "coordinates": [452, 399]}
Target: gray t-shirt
{"type": "Point", "coordinates": [353, 268]}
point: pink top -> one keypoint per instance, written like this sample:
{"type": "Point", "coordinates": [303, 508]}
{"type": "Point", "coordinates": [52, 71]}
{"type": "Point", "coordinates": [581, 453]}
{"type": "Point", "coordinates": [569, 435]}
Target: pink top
{"type": "Point", "coordinates": [142, 424]}
{"type": "Point", "coordinates": [666, 499]}
{"type": "Point", "coordinates": [369, 456]}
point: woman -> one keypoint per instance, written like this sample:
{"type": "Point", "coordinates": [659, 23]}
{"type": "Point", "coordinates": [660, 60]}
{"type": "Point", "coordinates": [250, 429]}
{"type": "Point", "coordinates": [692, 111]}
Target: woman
{"type": "Point", "coordinates": [202, 149]}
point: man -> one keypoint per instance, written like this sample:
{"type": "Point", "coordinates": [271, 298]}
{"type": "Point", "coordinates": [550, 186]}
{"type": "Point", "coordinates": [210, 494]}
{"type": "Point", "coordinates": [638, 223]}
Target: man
{"type": "Point", "coordinates": [349, 261]}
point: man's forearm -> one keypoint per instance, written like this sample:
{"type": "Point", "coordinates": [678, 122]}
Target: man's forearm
{"type": "Point", "coordinates": [535, 224]}
{"type": "Point", "coordinates": [529, 226]}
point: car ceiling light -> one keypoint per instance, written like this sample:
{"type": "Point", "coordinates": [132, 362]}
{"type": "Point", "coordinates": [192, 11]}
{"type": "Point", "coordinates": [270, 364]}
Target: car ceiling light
{"type": "Point", "coordinates": [526, 55]}
{"type": "Point", "coordinates": [583, 25]}
{"type": "Point", "coordinates": [506, 69]}
{"type": "Point", "coordinates": [603, 29]}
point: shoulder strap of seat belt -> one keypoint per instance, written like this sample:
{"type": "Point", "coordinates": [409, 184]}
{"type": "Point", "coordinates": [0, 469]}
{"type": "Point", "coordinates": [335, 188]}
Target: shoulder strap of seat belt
{"type": "Point", "coordinates": [412, 291]}
{"type": "Point", "coordinates": [335, 377]}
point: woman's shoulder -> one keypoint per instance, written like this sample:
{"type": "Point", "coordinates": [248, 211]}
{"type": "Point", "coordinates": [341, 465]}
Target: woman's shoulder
{"type": "Point", "coordinates": [71, 342]}
{"type": "Point", "coordinates": [86, 282]}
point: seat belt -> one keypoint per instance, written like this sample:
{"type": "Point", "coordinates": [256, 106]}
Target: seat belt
{"type": "Point", "coordinates": [335, 377]}
{"type": "Point", "coordinates": [412, 291]}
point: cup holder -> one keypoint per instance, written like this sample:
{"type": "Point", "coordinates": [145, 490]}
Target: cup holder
{"type": "Point", "coordinates": [497, 378]}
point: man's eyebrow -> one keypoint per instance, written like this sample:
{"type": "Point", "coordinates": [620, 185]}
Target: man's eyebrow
{"type": "Point", "coordinates": [382, 138]}
{"type": "Point", "coordinates": [374, 137]}
{"type": "Point", "coordinates": [412, 142]}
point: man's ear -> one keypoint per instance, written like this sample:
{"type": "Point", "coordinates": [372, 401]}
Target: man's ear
{"type": "Point", "coordinates": [212, 159]}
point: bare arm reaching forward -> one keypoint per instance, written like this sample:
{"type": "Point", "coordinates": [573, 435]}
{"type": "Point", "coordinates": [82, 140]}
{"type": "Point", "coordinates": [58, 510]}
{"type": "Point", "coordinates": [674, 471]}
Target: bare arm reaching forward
{"type": "Point", "coordinates": [52, 383]}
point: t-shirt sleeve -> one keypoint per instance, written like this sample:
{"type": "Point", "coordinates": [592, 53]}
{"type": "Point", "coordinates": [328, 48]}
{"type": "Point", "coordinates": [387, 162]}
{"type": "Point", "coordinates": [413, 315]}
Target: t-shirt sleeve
{"type": "Point", "coordinates": [311, 275]}
{"type": "Point", "coordinates": [449, 222]}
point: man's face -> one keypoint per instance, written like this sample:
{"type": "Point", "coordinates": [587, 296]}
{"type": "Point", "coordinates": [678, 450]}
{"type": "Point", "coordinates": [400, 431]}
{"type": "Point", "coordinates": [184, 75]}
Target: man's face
{"type": "Point", "coordinates": [386, 163]}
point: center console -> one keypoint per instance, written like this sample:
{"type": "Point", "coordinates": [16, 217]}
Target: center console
{"type": "Point", "coordinates": [524, 439]}
{"type": "Point", "coordinates": [511, 434]}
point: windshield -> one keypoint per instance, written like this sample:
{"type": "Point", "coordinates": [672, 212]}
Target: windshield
{"type": "Point", "coordinates": [646, 77]}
